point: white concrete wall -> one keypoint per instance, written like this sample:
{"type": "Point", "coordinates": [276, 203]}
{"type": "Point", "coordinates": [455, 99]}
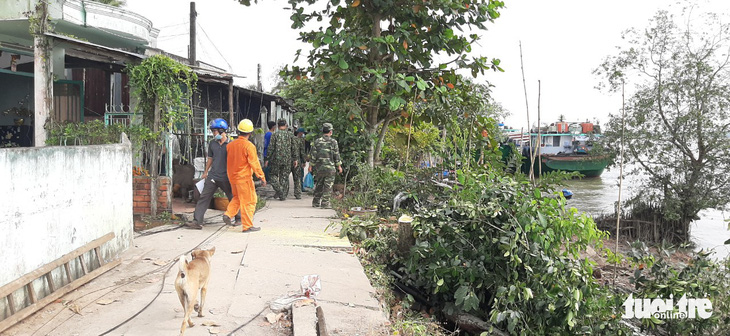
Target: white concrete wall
{"type": "Point", "coordinates": [56, 199]}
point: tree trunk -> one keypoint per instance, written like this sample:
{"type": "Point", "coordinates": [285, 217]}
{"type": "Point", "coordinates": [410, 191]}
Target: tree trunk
{"type": "Point", "coordinates": [154, 163]}
{"type": "Point", "coordinates": [381, 139]}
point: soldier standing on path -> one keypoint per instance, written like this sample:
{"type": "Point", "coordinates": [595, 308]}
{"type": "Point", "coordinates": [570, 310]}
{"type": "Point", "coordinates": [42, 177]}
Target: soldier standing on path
{"type": "Point", "coordinates": [280, 158]}
{"type": "Point", "coordinates": [301, 157]}
{"type": "Point", "coordinates": [325, 157]}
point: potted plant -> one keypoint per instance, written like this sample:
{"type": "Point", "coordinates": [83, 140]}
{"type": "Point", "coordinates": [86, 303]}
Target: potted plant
{"type": "Point", "coordinates": [220, 200]}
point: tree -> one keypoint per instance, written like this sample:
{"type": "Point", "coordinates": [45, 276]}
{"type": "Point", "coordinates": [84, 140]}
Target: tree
{"type": "Point", "coordinates": [379, 55]}
{"type": "Point", "coordinates": [115, 3]}
{"type": "Point", "coordinates": [676, 125]}
{"type": "Point", "coordinates": [315, 109]}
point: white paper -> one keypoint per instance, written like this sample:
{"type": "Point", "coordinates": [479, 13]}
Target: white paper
{"type": "Point", "coordinates": [200, 185]}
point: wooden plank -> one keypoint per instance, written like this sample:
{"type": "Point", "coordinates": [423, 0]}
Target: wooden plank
{"type": "Point", "coordinates": [27, 311]}
{"type": "Point", "coordinates": [68, 272]}
{"type": "Point", "coordinates": [22, 281]}
{"type": "Point", "coordinates": [83, 265]}
{"type": "Point", "coordinates": [97, 251]}
{"type": "Point", "coordinates": [11, 304]}
{"type": "Point", "coordinates": [31, 292]}
{"type": "Point", "coordinates": [51, 285]}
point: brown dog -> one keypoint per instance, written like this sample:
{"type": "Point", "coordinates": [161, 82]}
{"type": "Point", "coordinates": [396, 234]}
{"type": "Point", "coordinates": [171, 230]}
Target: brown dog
{"type": "Point", "coordinates": [193, 277]}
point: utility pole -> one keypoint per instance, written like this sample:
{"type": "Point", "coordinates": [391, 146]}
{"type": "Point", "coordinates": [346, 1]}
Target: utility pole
{"type": "Point", "coordinates": [258, 79]}
{"type": "Point", "coordinates": [43, 78]}
{"type": "Point", "coordinates": [193, 15]}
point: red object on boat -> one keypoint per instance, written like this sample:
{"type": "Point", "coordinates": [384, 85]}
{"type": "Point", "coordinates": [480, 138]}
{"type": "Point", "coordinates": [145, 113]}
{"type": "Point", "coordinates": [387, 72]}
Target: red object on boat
{"type": "Point", "coordinates": [562, 127]}
{"type": "Point", "coordinates": [587, 127]}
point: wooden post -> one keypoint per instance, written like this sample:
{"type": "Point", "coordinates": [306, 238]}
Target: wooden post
{"type": "Point", "coordinates": [155, 169]}
{"type": "Point", "coordinates": [620, 180]}
{"type": "Point", "coordinates": [259, 87]}
{"type": "Point", "coordinates": [43, 78]}
{"type": "Point", "coordinates": [230, 102]}
{"type": "Point", "coordinates": [193, 15]}
{"type": "Point", "coordinates": [539, 131]}
{"type": "Point", "coordinates": [527, 108]}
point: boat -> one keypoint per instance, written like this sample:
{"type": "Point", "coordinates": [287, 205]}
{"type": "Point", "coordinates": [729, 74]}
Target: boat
{"type": "Point", "coordinates": [564, 146]}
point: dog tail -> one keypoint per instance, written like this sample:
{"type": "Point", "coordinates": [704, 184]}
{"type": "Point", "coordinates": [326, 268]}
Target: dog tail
{"type": "Point", "coordinates": [183, 263]}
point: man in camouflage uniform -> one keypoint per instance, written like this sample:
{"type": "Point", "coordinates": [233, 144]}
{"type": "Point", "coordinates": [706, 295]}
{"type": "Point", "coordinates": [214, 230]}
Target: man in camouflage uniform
{"type": "Point", "coordinates": [280, 158]}
{"type": "Point", "coordinates": [325, 157]}
{"type": "Point", "coordinates": [300, 157]}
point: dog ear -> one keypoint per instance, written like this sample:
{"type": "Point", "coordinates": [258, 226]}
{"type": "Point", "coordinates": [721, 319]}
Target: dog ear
{"type": "Point", "coordinates": [212, 250]}
{"type": "Point", "coordinates": [195, 253]}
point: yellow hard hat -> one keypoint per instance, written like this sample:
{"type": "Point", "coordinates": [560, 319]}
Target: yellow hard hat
{"type": "Point", "coordinates": [245, 126]}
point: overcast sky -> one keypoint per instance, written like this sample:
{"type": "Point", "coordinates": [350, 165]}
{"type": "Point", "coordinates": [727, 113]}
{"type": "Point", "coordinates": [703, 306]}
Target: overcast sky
{"type": "Point", "coordinates": [562, 42]}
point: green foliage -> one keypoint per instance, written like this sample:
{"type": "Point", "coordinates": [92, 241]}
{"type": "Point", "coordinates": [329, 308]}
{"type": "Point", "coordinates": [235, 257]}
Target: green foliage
{"type": "Point", "coordinates": [312, 101]}
{"type": "Point", "coordinates": [423, 136]}
{"type": "Point", "coordinates": [676, 118]}
{"type": "Point", "coordinates": [96, 133]}
{"type": "Point", "coordinates": [161, 81]}
{"type": "Point", "coordinates": [701, 278]}
{"type": "Point", "coordinates": [378, 71]}
{"type": "Point", "coordinates": [501, 250]}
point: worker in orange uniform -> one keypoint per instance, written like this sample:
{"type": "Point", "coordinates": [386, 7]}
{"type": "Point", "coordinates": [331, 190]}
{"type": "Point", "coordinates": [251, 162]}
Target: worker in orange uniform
{"type": "Point", "coordinates": [242, 163]}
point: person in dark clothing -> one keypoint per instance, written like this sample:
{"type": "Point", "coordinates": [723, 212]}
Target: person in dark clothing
{"type": "Point", "coordinates": [215, 174]}
{"type": "Point", "coordinates": [267, 140]}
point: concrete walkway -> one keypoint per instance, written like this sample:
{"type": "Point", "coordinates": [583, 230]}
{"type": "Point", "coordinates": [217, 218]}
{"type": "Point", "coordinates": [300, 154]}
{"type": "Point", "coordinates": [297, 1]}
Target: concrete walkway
{"type": "Point", "coordinates": [249, 270]}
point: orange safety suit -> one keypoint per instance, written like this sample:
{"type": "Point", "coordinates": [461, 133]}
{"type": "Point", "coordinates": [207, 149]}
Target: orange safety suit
{"type": "Point", "coordinates": [242, 163]}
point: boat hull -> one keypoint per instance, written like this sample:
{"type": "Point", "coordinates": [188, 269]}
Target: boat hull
{"type": "Point", "coordinates": [588, 166]}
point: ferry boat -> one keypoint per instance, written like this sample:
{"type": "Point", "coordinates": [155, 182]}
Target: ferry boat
{"type": "Point", "coordinates": [564, 146]}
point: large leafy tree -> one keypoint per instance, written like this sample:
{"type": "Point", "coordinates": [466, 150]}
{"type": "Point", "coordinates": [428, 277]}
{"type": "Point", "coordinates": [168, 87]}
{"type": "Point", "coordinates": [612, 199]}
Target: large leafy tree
{"type": "Point", "coordinates": [378, 55]}
{"type": "Point", "coordinates": [677, 122]}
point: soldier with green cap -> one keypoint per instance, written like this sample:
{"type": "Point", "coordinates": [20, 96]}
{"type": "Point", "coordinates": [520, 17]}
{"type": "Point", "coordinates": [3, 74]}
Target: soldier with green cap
{"type": "Point", "coordinates": [280, 158]}
{"type": "Point", "coordinates": [301, 157]}
{"type": "Point", "coordinates": [325, 158]}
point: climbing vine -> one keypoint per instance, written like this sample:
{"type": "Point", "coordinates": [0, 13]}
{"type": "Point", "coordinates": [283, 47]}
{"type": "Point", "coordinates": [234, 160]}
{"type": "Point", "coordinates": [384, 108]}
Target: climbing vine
{"type": "Point", "coordinates": [161, 81]}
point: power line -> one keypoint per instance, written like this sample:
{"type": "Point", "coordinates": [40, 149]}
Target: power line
{"type": "Point", "coordinates": [216, 48]}
{"type": "Point", "coordinates": [174, 25]}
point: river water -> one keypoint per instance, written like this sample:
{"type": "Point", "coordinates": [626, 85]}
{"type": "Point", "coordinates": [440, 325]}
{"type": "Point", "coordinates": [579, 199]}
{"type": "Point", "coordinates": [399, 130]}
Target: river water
{"type": "Point", "coordinates": [599, 195]}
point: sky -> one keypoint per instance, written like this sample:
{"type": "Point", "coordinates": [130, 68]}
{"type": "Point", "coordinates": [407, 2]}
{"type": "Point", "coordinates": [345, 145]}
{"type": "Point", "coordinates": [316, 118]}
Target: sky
{"type": "Point", "coordinates": [562, 43]}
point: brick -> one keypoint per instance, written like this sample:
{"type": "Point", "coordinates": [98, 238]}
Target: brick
{"type": "Point", "coordinates": [138, 198]}
{"type": "Point", "coordinates": [163, 193]}
{"type": "Point", "coordinates": [143, 192]}
{"type": "Point", "coordinates": [163, 187]}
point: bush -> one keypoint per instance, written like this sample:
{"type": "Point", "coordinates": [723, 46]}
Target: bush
{"type": "Point", "coordinates": [701, 278]}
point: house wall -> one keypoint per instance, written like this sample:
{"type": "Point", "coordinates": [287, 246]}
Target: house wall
{"type": "Point", "coordinates": [57, 199]}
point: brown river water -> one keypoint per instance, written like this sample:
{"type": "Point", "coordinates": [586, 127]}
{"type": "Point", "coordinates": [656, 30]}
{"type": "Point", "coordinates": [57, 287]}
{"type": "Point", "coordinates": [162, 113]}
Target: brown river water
{"type": "Point", "coordinates": [599, 195]}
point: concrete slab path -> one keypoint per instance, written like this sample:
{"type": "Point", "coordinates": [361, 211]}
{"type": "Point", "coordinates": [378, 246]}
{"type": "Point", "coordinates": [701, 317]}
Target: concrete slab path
{"type": "Point", "coordinates": [249, 270]}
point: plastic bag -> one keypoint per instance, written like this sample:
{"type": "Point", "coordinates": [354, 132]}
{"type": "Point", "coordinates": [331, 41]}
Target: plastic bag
{"type": "Point", "coordinates": [310, 286]}
{"type": "Point", "coordinates": [308, 181]}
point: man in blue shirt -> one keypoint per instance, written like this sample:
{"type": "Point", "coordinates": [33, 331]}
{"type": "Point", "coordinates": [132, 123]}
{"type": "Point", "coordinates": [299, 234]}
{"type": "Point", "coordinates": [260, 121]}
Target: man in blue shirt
{"type": "Point", "coordinates": [215, 174]}
{"type": "Point", "coordinates": [267, 139]}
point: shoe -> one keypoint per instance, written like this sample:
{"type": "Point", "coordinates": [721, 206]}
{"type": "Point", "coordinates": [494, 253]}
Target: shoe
{"type": "Point", "coordinates": [326, 206]}
{"type": "Point", "coordinates": [252, 229]}
{"type": "Point", "coordinates": [315, 205]}
{"type": "Point", "coordinates": [282, 198]}
{"type": "Point", "coordinates": [193, 225]}
{"type": "Point", "coordinates": [227, 220]}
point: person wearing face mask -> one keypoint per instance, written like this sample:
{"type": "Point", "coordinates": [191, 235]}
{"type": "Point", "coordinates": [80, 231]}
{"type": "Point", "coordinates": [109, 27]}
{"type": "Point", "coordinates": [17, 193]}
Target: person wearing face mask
{"type": "Point", "coordinates": [215, 174]}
